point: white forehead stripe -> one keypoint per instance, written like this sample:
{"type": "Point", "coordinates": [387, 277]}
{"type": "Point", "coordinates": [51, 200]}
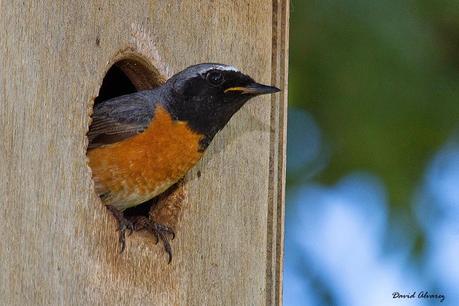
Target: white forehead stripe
{"type": "Point", "coordinates": [219, 67]}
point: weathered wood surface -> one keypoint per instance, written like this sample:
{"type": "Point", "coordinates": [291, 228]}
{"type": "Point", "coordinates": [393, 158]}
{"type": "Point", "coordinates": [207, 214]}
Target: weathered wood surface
{"type": "Point", "coordinates": [58, 242]}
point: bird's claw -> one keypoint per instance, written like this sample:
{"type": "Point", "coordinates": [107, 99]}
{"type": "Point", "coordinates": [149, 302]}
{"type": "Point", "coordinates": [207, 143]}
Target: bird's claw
{"type": "Point", "coordinates": [160, 231]}
{"type": "Point", "coordinates": [123, 225]}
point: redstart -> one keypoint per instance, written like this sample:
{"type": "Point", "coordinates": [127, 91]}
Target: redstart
{"type": "Point", "coordinates": [142, 143]}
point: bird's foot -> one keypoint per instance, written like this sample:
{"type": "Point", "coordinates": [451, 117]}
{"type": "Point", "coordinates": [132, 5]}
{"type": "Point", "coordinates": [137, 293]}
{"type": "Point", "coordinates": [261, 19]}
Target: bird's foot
{"type": "Point", "coordinates": [123, 225]}
{"type": "Point", "coordinates": [160, 231]}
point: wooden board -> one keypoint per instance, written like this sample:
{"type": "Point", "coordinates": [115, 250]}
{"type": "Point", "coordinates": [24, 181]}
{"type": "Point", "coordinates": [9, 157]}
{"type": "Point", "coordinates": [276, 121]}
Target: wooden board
{"type": "Point", "coordinates": [58, 242]}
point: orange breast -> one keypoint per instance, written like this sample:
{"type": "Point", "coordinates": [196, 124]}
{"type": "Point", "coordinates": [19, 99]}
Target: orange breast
{"type": "Point", "coordinates": [139, 168]}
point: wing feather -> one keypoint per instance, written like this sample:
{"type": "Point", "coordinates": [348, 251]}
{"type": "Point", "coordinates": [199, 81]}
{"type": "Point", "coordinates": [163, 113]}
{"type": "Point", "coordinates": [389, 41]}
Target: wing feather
{"type": "Point", "coordinates": [122, 117]}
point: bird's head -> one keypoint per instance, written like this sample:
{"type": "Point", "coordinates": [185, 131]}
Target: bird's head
{"type": "Point", "coordinates": [208, 95]}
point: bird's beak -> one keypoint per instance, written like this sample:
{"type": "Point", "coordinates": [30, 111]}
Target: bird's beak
{"type": "Point", "coordinates": [254, 89]}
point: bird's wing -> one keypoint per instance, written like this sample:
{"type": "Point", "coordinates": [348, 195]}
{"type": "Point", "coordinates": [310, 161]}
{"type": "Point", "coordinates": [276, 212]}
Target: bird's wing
{"type": "Point", "coordinates": [120, 118]}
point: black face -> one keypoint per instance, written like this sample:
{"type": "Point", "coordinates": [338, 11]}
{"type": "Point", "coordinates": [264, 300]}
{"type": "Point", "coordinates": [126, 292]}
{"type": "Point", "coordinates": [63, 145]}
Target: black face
{"type": "Point", "coordinates": [208, 95]}
{"type": "Point", "coordinates": [213, 83]}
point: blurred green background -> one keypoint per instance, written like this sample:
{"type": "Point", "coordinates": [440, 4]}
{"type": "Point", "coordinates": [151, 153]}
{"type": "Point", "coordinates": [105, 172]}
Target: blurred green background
{"type": "Point", "coordinates": [381, 78]}
{"type": "Point", "coordinates": [373, 87]}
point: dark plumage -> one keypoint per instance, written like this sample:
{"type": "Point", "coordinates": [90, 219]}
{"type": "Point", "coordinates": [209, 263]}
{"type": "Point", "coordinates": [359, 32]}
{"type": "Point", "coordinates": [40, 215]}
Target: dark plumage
{"type": "Point", "coordinates": [188, 96]}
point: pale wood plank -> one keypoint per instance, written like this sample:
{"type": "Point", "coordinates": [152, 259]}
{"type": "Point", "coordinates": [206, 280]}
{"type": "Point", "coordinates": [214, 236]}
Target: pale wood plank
{"type": "Point", "coordinates": [58, 243]}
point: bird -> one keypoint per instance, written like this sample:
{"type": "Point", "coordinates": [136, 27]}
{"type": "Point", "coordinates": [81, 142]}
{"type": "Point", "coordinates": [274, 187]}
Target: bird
{"type": "Point", "coordinates": [140, 144]}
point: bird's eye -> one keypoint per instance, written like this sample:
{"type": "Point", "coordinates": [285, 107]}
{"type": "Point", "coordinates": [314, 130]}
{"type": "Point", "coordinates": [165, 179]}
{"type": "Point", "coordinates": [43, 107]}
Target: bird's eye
{"type": "Point", "coordinates": [215, 78]}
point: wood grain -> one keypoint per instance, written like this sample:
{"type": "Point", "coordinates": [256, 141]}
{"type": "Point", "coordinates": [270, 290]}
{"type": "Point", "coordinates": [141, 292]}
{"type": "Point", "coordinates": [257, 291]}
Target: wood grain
{"type": "Point", "coordinates": [58, 243]}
